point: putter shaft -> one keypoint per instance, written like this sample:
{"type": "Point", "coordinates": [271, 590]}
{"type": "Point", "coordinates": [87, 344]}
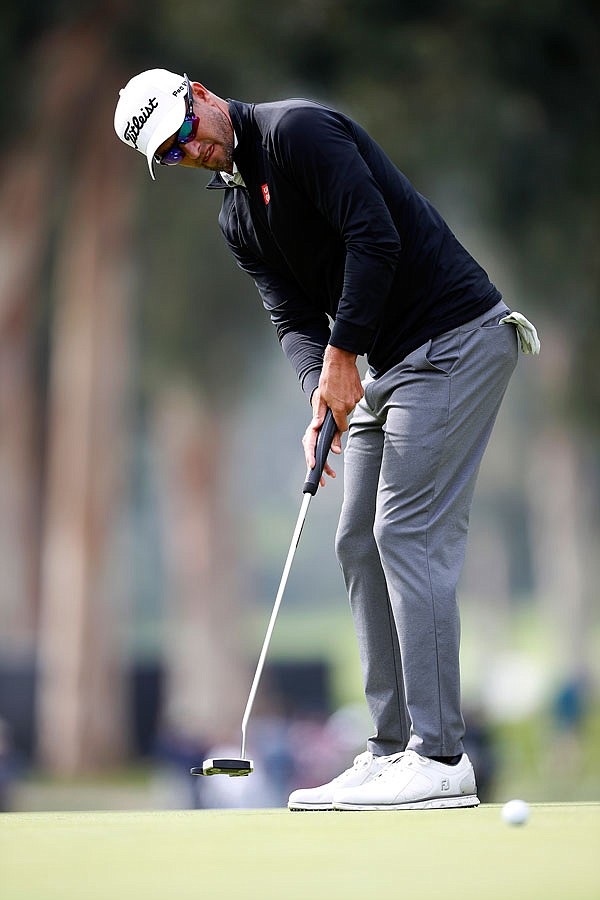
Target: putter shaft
{"type": "Point", "coordinates": [263, 653]}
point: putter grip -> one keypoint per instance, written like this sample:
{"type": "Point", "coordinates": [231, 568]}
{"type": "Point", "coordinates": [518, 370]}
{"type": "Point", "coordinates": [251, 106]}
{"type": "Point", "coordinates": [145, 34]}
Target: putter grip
{"type": "Point", "coordinates": [324, 439]}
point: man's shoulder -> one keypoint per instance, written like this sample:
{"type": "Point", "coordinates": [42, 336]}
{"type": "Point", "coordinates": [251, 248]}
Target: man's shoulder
{"type": "Point", "coordinates": [293, 113]}
{"type": "Point", "coordinates": [298, 126]}
{"type": "Point", "coordinates": [294, 118]}
{"type": "Point", "coordinates": [282, 107]}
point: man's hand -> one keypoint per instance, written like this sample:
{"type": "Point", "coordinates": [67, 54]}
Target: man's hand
{"type": "Point", "coordinates": [340, 389]}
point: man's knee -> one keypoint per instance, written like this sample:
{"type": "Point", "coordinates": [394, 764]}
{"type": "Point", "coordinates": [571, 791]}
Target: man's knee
{"type": "Point", "coordinates": [399, 540]}
{"type": "Point", "coordinates": [389, 536]}
{"type": "Point", "coordinates": [354, 543]}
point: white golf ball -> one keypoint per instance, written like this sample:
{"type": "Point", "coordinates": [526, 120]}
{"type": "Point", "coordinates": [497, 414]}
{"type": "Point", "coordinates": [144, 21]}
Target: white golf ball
{"type": "Point", "coordinates": [515, 812]}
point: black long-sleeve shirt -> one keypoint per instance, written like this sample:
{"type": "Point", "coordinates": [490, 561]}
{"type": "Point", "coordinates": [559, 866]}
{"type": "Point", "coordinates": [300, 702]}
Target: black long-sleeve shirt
{"type": "Point", "coordinates": [329, 228]}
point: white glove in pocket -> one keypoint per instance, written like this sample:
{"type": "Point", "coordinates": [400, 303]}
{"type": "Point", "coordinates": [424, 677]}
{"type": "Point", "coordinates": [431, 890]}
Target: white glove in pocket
{"type": "Point", "coordinates": [528, 336]}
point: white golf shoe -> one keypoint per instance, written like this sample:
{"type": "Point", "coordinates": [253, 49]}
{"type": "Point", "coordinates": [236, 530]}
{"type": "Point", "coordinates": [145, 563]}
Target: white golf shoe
{"type": "Point", "coordinates": [413, 782]}
{"type": "Point", "coordinates": [366, 766]}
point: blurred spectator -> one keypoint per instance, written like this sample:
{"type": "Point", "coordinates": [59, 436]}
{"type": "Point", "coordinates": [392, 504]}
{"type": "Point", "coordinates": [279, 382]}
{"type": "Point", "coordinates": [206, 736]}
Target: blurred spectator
{"type": "Point", "coordinates": [479, 745]}
{"type": "Point", "coordinates": [570, 704]}
{"type": "Point", "coordinates": [569, 710]}
{"type": "Point", "coordinates": [175, 754]}
{"type": "Point", "coordinates": [8, 767]}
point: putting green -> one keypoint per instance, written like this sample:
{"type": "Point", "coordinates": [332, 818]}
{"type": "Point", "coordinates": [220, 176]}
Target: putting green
{"type": "Point", "coordinates": [293, 856]}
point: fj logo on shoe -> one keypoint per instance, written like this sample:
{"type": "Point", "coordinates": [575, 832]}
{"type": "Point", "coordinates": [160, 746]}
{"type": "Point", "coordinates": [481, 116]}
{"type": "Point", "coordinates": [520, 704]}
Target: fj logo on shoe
{"type": "Point", "coordinates": [266, 194]}
{"type": "Point", "coordinates": [445, 784]}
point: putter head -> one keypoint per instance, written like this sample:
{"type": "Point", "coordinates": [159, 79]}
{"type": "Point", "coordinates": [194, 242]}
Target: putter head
{"type": "Point", "coordinates": [232, 767]}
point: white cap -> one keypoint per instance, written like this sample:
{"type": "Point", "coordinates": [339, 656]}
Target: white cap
{"type": "Point", "coordinates": [151, 107]}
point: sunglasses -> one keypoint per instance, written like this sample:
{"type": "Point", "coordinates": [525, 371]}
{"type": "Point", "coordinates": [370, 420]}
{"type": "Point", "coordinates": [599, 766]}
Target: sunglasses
{"type": "Point", "coordinates": [186, 133]}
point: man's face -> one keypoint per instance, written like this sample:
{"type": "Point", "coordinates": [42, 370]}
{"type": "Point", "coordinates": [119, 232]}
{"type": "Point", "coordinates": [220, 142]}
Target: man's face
{"type": "Point", "coordinates": [212, 147]}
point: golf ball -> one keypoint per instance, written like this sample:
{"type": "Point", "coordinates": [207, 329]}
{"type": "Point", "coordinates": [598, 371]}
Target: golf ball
{"type": "Point", "coordinates": [515, 812]}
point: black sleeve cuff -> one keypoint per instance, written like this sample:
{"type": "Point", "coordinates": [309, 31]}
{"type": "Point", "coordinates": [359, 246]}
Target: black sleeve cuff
{"type": "Point", "coordinates": [353, 338]}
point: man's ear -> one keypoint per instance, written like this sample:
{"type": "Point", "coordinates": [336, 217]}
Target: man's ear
{"type": "Point", "coordinates": [199, 90]}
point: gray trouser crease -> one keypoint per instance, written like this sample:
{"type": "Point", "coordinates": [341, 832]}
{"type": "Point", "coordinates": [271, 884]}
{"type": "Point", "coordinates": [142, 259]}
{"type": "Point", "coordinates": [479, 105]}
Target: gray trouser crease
{"type": "Point", "coordinates": [414, 448]}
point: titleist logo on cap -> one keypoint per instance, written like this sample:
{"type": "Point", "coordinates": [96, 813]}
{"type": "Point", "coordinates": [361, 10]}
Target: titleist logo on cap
{"type": "Point", "coordinates": [135, 125]}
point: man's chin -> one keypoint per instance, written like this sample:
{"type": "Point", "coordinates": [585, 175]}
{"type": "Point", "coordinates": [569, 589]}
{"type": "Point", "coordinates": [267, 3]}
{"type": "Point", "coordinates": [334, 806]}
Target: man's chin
{"type": "Point", "coordinates": [212, 166]}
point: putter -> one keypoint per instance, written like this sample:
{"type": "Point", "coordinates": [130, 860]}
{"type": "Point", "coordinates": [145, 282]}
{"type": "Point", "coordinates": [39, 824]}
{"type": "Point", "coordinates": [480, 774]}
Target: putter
{"type": "Point", "coordinates": [242, 766]}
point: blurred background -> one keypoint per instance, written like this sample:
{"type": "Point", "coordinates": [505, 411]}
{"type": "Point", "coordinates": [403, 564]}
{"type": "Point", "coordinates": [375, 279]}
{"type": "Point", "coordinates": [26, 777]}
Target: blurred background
{"type": "Point", "coordinates": [150, 459]}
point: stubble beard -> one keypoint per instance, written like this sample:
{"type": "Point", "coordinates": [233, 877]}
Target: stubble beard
{"type": "Point", "coordinates": [227, 143]}
{"type": "Point", "coordinates": [228, 157]}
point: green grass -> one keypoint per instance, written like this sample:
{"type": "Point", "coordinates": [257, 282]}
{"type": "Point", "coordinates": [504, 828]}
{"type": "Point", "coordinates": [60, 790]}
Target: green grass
{"type": "Point", "coordinates": [293, 856]}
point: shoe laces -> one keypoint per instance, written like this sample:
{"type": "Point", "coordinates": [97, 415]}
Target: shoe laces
{"type": "Point", "coordinates": [403, 757]}
{"type": "Point", "coordinates": [364, 760]}
{"type": "Point", "coordinates": [360, 762]}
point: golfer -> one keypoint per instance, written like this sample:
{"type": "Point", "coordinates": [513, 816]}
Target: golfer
{"type": "Point", "coordinates": [350, 260]}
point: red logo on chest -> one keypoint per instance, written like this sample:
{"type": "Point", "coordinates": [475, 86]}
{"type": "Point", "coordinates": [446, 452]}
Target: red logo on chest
{"type": "Point", "coordinates": [266, 194]}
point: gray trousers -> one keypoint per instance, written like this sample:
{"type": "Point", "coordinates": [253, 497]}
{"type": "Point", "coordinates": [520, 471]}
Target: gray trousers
{"type": "Point", "coordinates": [414, 447]}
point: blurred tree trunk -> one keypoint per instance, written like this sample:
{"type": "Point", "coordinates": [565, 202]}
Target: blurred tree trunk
{"type": "Point", "coordinates": [562, 554]}
{"type": "Point", "coordinates": [560, 487]}
{"type": "Point", "coordinates": [22, 239]}
{"type": "Point", "coordinates": [80, 687]}
{"type": "Point", "coordinates": [207, 682]}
